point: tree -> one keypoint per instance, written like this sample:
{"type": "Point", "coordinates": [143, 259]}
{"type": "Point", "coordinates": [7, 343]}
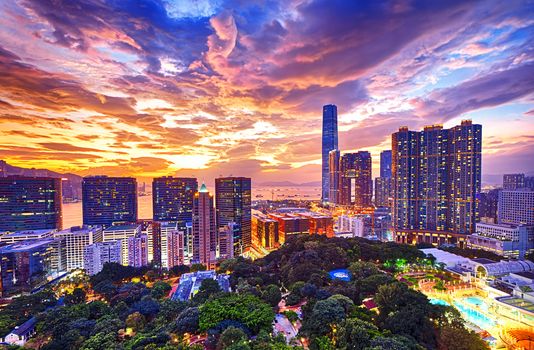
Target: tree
{"type": "Point", "coordinates": [363, 269]}
{"type": "Point", "coordinates": [136, 321]}
{"type": "Point", "coordinates": [324, 315]}
{"type": "Point", "coordinates": [230, 337]}
{"type": "Point", "coordinates": [208, 287]}
{"type": "Point", "coordinates": [197, 267]}
{"type": "Point", "coordinates": [291, 315]}
{"type": "Point", "coordinates": [354, 334]}
{"type": "Point", "coordinates": [160, 289]}
{"type": "Point", "coordinates": [188, 320]}
{"type": "Point", "coordinates": [76, 297]}
{"type": "Point", "coordinates": [247, 308]}
{"type": "Point", "coordinates": [272, 295]}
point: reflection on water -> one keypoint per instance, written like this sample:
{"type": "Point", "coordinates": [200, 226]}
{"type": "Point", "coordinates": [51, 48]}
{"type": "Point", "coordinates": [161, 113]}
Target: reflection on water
{"type": "Point", "coordinates": [72, 212]}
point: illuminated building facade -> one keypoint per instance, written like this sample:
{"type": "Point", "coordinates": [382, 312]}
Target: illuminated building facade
{"type": "Point", "coordinates": [165, 229]}
{"type": "Point", "coordinates": [488, 205]}
{"type": "Point", "coordinates": [436, 181]}
{"type": "Point", "coordinates": [265, 232]}
{"type": "Point", "coordinates": [226, 241]}
{"type": "Point", "coordinates": [172, 199]}
{"type": "Point", "coordinates": [25, 266]}
{"type": "Point", "coordinates": [356, 179]}
{"type": "Point", "coordinates": [138, 251]}
{"type": "Point", "coordinates": [510, 241]}
{"type": "Point", "coordinates": [108, 200]}
{"type": "Point", "coordinates": [30, 203]}
{"type": "Point", "coordinates": [516, 207]}
{"type": "Point", "coordinates": [513, 181]}
{"type": "Point", "coordinates": [175, 248]}
{"type": "Point", "coordinates": [97, 254]}
{"type": "Point", "coordinates": [383, 184]}
{"type": "Point", "coordinates": [385, 163]}
{"type": "Point", "coordinates": [334, 177]}
{"type": "Point", "coordinates": [204, 230]}
{"type": "Point", "coordinates": [75, 240]}
{"type": "Point", "coordinates": [122, 233]}
{"type": "Point", "coordinates": [233, 203]}
{"type": "Point", "coordinates": [329, 143]}
{"type": "Point", "coordinates": [152, 229]}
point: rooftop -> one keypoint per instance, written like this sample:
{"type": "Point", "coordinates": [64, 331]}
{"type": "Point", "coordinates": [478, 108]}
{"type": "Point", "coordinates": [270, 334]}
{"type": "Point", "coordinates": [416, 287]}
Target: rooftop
{"type": "Point", "coordinates": [24, 245]}
{"type": "Point", "coordinates": [28, 232]}
{"type": "Point", "coordinates": [122, 227]}
{"type": "Point", "coordinates": [26, 327]}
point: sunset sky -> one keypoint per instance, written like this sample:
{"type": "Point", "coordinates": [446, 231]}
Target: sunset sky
{"type": "Point", "coordinates": [150, 88]}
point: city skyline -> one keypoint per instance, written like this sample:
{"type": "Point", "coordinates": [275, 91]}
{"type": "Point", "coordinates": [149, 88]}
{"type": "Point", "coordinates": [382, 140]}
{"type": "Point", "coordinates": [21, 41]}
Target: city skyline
{"type": "Point", "coordinates": [105, 90]}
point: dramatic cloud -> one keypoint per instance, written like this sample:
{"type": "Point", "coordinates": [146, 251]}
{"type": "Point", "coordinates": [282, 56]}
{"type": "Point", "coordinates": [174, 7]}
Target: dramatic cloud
{"type": "Point", "coordinates": [158, 87]}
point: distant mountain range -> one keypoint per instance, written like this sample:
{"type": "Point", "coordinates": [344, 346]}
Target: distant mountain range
{"type": "Point", "coordinates": [72, 186]}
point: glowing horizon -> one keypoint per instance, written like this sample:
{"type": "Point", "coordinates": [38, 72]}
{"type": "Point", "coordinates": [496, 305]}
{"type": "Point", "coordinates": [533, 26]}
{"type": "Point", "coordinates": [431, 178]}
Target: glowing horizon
{"type": "Point", "coordinates": [202, 88]}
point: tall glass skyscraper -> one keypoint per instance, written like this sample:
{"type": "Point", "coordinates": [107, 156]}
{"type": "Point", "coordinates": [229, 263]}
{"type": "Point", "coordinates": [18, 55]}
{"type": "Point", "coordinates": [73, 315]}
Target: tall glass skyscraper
{"type": "Point", "coordinates": [172, 199]}
{"type": "Point", "coordinates": [109, 199]}
{"type": "Point", "coordinates": [436, 181]}
{"type": "Point", "coordinates": [30, 203]}
{"type": "Point", "coordinates": [329, 143]}
{"type": "Point", "coordinates": [232, 202]}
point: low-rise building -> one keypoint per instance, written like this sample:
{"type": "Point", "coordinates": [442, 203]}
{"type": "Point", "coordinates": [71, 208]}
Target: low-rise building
{"type": "Point", "coordinates": [19, 236]}
{"type": "Point", "coordinates": [21, 334]}
{"type": "Point", "coordinates": [191, 282]}
{"type": "Point", "coordinates": [510, 241]}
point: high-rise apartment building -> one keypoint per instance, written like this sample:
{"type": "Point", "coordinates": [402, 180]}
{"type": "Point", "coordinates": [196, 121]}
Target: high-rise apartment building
{"type": "Point", "coordinates": [166, 228]}
{"type": "Point", "coordinates": [385, 163]}
{"type": "Point", "coordinates": [356, 182]}
{"type": "Point", "coordinates": [488, 204]}
{"type": "Point", "coordinates": [329, 143]}
{"type": "Point", "coordinates": [138, 251]}
{"type": "Point", "coordinates": [226, 241]}
{"type": "Point", "coordinates": [98, 254]}
{"type": "Point", "coordinates": [204, 229]}
{"type": "Point", "coordinates": [175, 248]}
{"type": "Point", "coordinates": [382, 191]}
{"type": "Point", "coordinates": [513, 181]}
{"type": "Point", "coordinates": [172, 199]}
{"type": "Point", "coordinates": [516, 207]}
{"type": "Point", "coordinates": [122, 233]}
{"type": "Point", "coordinates": [75, 240]}
{"type": "Point", "coordinates": [30, 203]}
{"type": "Point", "coordinates": [108, 200]}
{"type": "Point", "coordinates": [436, 181]}
{"type": "Point", "coordinates": [233, 203]}
{"type": "Point", "coordinates": [334, 178]}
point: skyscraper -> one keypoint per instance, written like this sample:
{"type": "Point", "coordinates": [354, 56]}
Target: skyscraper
{"type": "Point", "coordinates": [334, 177]}
{"type": "Point", "coordinates": [513, 181]}
{"type": "Point", "coordinates": [436, 181]}
{"type": "Point", "coordinates": [175, 248]}
{"type": "Point", "coordinates": [516, 207]}
{"type": "Point", "coordinates": [97, 254]}
{"type": "Point", "coordinates": [30, 203]}
{"type": "Point", "coordinates": [138, 251]}
{"type": "Point", "coordinates": [204, 231]}
{"type": "Point", "coordinates": [232, 200]}
{"type": "Point", "coordinates": [329, 143]}
{"type": "Point", "coordinates": [356, 179]}
{"type": "Point", "coordinates": [172, 199]}
{"type": "Point", "coordinates": [385, 163]}
{"type": "Point", "coordinates": [109, 199]}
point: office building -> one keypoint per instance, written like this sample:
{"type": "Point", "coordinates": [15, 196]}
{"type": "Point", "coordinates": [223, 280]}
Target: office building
{"type": "Point", "coordinates": [510, 241]}
{"type": "Point", "coordinates": [329, 143]}
{"type": "Point", "coordinates": [513, 181]}
{"type": "Point", "coordinates": [109, 200]}
{"type": "Point", "coordinates": [516, 207]}
{"type": "Point", "coordinates": [98, 254]}
{"type": "Point", "coordinates": [138, 251]}
{"type": "Point", "coordinates": [265, 232]}
{"type": "Point", "coordinates": [75, 240]}
{"type": "Point", "coordinates": [232, 200]}
{"type": "Point", "coordinates": [334, 178]}
{"type": "Point", "coordinates": [30, 203]}
{"type": "Point", "coordinates": [226, 241]}
{"type": "Point", "coordinates": [385, 163]}
{"type": "Point", "coordinates": [290, 224]}
{"type": "Point", "coordinates": [122, 233]}
{"type": "Point", "coordinates": [25, 266]}
{"type": "Point", "coordinates": [19, 236]}
{"type": "Point", "coordinates": [204, 229]}
{"type": "Point", "coordinates": [529, 182]}
{"type": "Point", "coordinates": [175, 248]}
{"type": "Point", "coordinates": [172, 199]}
{"type": "Point", "coordinates": [436, 181]}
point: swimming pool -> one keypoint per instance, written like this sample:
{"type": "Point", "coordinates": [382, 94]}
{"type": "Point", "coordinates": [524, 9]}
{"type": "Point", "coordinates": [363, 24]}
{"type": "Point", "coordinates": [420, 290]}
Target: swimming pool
{"type": "Point", "coordinates": [468, 309]}
{"type": "Point", "coordinates": [437, 301]}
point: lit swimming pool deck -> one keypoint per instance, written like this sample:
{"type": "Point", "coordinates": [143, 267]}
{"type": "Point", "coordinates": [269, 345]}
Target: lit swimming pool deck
{"type": "Point", "coordinates": [469, 308]}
